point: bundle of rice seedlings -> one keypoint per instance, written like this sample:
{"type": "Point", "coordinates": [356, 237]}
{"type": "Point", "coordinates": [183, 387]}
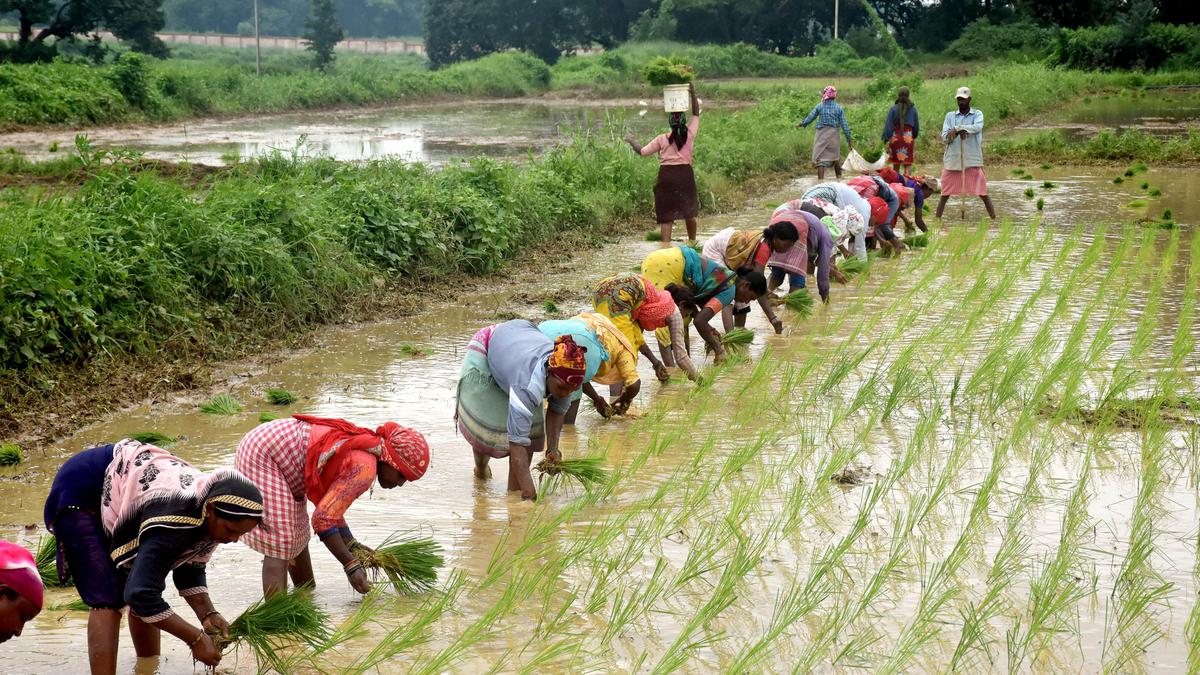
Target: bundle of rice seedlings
{"type": "Point", "coordinates": [263, 418]}
{"type": "Point", "coordinates": [1047, 167]}
{"type": "Point", "coordinates": [1154, 192]}
{"type": "Point", "coordinates": [1118, 180]}
{"type": "Point", "coordinates": [918, 240]}
{"type": "Point", "coordinates": [1168, 215]}
{"type": "Point", "coordinates": [1041, 204]}
{"type": "Point", "coordinates": [76, 605]}
{"type": "Point", "coordinates": [1029, 193]}
{"type": "Point", "coordinates": [272, 623]}
{"type": "Point", "coordinates": [800, 301]}
{"type": "Point", "coordinates": [1145, 185]}
{"type": "Point", "coordinates": [409, 563]}
{"type": "Point", "coordinates": [1140, 167]}
{"type": "Point", "coordinates": [738, 337]}
{"type": "Point", "coordinates": [46, 560]}
{"type": "Point", "coordinates": [852, 266]}
{"type": "Point", "coordinates": [1137, 204]}
{"type": "Point", "coordinates": [280, 397]}
{"type": "Point", "coordinates": [153, 438]}
{"type": "Point", "coordinates": [1129, 173]}
{"type": "Point", "coordinates": [550, 307]}
{"type": "Point", "coordinates": [414, 350]}
{"type": "Point", "coordinates": [1049, 185]}
{"type": "Point", "coordinates": [10, 455]}
{"type": "Point", "coordinates": [665, 70]}
{"type": "Point", "coordinates": [586, 470]}
{"type": "Point", "coordinates": [221, 404]}
{"type": "Point", "coordinates": [654, 236]}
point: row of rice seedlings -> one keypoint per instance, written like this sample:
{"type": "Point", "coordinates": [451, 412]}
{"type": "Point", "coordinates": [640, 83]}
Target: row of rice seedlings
{"type": "Point", "coordinates": [1192, 628]}
{"type": "Point", "coordinates": [415, 632]}
{"type": "Point", "coordinates": [1140, 591]}
{"type": "Point", "coordinates": [1184, 344]}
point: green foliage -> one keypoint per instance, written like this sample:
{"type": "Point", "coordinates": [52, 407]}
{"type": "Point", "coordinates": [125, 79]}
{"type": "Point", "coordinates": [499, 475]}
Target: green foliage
{"type": "Point", "coordinates": [221, 404]}
{"type": "Point", "coordinates": [1128, 45]}
{"type": "Point", "coordinates": [550, 307]}
{"type": "Point", "coordinates": [1029, 193]}
{"type": "Point", "coordinates": [265, 417]}
{"type": "Point", "coordinates": [1106, 146]}
{"type": "Point", "coordinates": [587, 471]}
{"type": "Point", "coordinates": [46, 559]}
{"type": "Point", "coordinates": [10, 455]}
{"type": "Point", "coordinates": [982, 39]}
{"type": "Point", "coordinates": [322, 32]}
{"type": "Point", "coordinates": [1137, 204]}
{"type": "Point", "coordinates": [1145, 185]}
{"type": "Point", "coordinates": [410, 564]}
{"type": "Point", "coordinates": [414, 350]}
{"type": "Point", "coordinates": [1154, 192]}
{"type": "Point", "coordinates": [737, 337]}
{"type": "Point", "coordinates": [1041, 204]}
{"type": "Point", "coordinates": [152, 438]}
{"type": "Point", "coordinates": [663, 71]}
{"type": "Point", "coordinates": [654, 235]}
{"type": "Point", "coordinates": [918, 240]}
{"type": "Point", "coordinates": [270, 625]}
{"type": "Point", "coordinates": [130, 76]}
{"type": "Point", "coordinates": [280, 397]}
{"type": "Point", "coordinates": [1048, 185]}
{"type": "Point", "coordinates": [800, 302]}
{"type": "Point", "coordinates": [1118, 180]}
{"type": "Point", "coordinates": [1168, 215]}
{"type": "Point", "coordinates": [852, 266]}
{"type": "Point", "coordinates": [135, 22]}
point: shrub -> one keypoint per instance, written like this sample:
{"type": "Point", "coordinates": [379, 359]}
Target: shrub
{"type": "Point", "coordinates": [1128, 45]}
{"type": "Point", "coordinates": [982, 39]}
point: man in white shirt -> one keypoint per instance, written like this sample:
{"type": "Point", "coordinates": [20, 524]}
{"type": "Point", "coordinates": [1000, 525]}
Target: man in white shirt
{"type": "Point", "coordinates": [962, 164]}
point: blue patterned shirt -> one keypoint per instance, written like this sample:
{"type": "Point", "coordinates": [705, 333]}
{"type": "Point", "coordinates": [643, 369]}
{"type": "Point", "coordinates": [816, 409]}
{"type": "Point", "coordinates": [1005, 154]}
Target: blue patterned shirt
{"type": "Point", "coordinates": [829, 114]}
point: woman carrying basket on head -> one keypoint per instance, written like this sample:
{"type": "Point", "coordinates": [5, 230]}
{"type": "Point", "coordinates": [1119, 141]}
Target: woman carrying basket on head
{"type": "Point", "coordinates": [675, 195]}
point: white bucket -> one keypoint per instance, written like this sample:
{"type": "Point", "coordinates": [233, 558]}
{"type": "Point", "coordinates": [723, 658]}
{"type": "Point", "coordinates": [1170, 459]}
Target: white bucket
{"type": "Point", "coordinates": [676, 98]}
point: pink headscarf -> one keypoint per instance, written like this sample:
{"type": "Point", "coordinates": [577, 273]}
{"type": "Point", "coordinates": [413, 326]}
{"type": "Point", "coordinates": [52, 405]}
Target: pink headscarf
{"type": "Point", "coordinates": [19, 572]}
{"type": "Point", "coordinates": [829, 94]}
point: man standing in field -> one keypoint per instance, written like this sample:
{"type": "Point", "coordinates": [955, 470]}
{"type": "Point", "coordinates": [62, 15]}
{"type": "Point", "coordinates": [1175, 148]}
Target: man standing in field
{"type": "Point", "coordinates": [962, 165]}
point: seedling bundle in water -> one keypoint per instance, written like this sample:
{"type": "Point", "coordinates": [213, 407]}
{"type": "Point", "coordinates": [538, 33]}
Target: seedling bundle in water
{"type": "Point", "coordinates": [280, 397]}
{"type": "Point", "coordinates": [800, 302]}
{"type": "Point", "coordinates": [738, 337]}
{"type": "Point", "coordinates": [152, 438]}
{"type": "Point", "coordinates": [221, 404]}
{"type": "Point", "coordinates": [46, 560]}
{"type": "Point", "coordinates": [918, 240]}
{"type": "Point", "coordinates": [852, 266]}
{"type": "Point", "coordinates": [410, 563]}
{"type": "Point", "coordinates": [585, 470]}
{"type": "Point", "coordinates": [10, 455]}
{"type": "Point", "coordinates": [663, 71]}
{"type": "Point", "coordinates": [271, 624]}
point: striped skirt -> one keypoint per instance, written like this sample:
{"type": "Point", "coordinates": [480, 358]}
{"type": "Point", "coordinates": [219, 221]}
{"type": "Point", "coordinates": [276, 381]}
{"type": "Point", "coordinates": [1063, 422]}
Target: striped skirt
{"type": "Point", "coordinates": [482, 407]}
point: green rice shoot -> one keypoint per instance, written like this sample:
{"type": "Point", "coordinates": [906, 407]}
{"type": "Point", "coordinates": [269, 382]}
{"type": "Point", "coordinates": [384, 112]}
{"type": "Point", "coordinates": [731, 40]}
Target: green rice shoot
{"type": "Point", "coordinates": [10, 455]}
{"type": "Point", "coordinates": [154, 438]}
{"type": "Point", "coordinates": [221, 404]}
{"type": "Point", "coordinates": [1118, 180]}
{"type": "Point", "coordinates": [586, 471]}
{"type": "Point", "coordinates": [1155, 192]}
{"type": "Point", "coordinates": [410, 564]}
{"type": "Point", "coordinates": [799, 301]}
{"type": "Point", "coordinates": [663, 71]}
{"type": "Point", "coordinates": [1041, 204]}
{"type": "Point", "coordinates": [280, 397]}
{"type": "Point", "coordinates": [1137, 204]}
{"type": "Point", "coordinates": [1048, 185]}
{"type": "Point", "coordinates": [413, 350]}
{"type": "Point", "coordinates": [46, 559]}
{"type": "Point", "coordinates": [271, 624]}
{"type": "Point", "coordinates": [1168, 215]}
{"type": "Point", "coordinates": [852, 266]}
{"type": "Point", "coordinates": [740, 337]}
{"type": "Point", "coordinates": [1029, 193]}
{"type": "Point", "coordinates": [1145, 185]}
{"type": "Point", "coordinates": [76, 605]}
{"type": "Point", "coordinates": [653, 236]}
{"type": "Point", "coordinates": [918, 240]}
{"type": "Point", "coordinates": [550, 307]}
{"type": "Point", "coordinates": [265, 417]}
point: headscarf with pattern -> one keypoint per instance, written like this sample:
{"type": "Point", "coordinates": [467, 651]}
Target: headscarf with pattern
{"type": "Point", "coordinates": [567, 362]}
{"type": "Point", "coordinates": [829, 94]}
{"type": "Point", "coordinates": [401, 448]}
{"type": "Point", "coordinates": [654, 311]}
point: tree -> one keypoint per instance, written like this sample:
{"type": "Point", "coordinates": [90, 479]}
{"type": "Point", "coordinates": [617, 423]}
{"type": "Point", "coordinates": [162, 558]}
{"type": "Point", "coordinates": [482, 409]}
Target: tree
{"type": "Point", "coordinates": [322, 32]}
{"type": "Point", "coordinates": [133, 21]}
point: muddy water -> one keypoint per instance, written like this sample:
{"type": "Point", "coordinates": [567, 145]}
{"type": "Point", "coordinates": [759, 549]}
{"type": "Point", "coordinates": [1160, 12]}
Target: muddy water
{"type": "Point", "coordinates": [362, 373]}
{"type": "Point", "coordinates": [1162, 112]}
{"type": "Point", "coordinates": [426, 133]}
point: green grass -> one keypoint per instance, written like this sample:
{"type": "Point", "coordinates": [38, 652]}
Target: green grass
{"type": "Point", "coordinates": [269, 626]}
{"type": "Point", "coordinates": [280, 397]}
{"type": "Point", "coordinates": [1029, 193]}
{"type": "Point", "coordinates": [918, 240]}
{"type": "Point", "coordinates": [221, 404]}
{"type": "Point", "coordinates": [153, 438]}
{"type": "Point", "coordinates": [550, 307]}
{"type": "Point", "coordinates": [10, 455]}
{"type": "Point", "coordinates": [410, 564]}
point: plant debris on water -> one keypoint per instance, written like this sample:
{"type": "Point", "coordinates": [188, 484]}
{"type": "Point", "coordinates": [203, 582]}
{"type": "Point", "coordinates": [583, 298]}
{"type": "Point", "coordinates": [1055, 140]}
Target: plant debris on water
{"type": "Point", "coordinates": [221, 404]}
{"type": "Point", "coordinates": [272, 624]}
{"type": "Point", "coordinates": [10, 455]}
{"type": "Point", "coordinates": [799, 301]}
{"type": "Point", "coordinates": [409, 563]}
{"type": "Point", "coordinates": [280, 397]}
{"type": "Point", "coordinates": [153, 438]}
{"type": "Point", "coordinates": [586, 471]}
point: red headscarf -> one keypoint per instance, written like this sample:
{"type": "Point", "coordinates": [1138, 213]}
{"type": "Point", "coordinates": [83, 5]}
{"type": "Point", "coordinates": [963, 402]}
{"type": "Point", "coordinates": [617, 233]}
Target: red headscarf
{"type": "Point", "coordinates": [403, 449]}
{"type": "Point", "coordinates": [879, 211]}
{"type": "Point", "coordinates": [655, 309]}
{"type": "Point", "coordinates": [19, 572]}
{"type": "Point", "coordinates": [567, 361]}
{"type": "Point", "coordinates": [889, 175]}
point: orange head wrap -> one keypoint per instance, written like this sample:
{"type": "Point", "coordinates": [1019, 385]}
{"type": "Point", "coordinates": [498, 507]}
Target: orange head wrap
{"type": "Point", "coordinates": [567, 361]}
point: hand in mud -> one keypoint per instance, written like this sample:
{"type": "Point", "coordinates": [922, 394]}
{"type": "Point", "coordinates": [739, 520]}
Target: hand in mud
{"type": "Point", "coordinates": [620, 407]}
{"type": "Point", "coordinates": [216, 624]}
{"type": "Point", "coordinates": [661, 372]}
{"type": "Point", "coordinates": [205, 650]}
{"type": "Point", "coordinates": [606, 411]}
{"type": "Point", "coordinates": [360, 582]}
{"type": "Point", "coordinates": [777, 324]}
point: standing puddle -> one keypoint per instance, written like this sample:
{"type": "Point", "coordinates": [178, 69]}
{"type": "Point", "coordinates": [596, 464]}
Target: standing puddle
{"type": "Point", "coordinates": [364, 374]}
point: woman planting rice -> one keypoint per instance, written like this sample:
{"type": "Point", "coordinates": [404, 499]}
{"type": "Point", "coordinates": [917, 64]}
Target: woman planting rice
{"type": "Point", "coordinates": [331, 463]}
{"type": "Point", "coordinates": [755, 248]}
{"type": "Point", "coordinates": [884, 206]}
{"type": "Point", "coordinates": [509, 372]}
{"type": "Point", "coordinates": [701, 289]}
{"type": "Point", "coordinates": [841, 223]}
{"type": "Point", "coordinates": [21, 591]}
{"type": "Point", "coordinates": [814, 252]}
{"type": "Point", "coordinates": [127, 515]}
{"type": "Point", "coordinates": [675, 195]}
{"type": "Point", "coordinates": [635, 305]}
{"type": "Point", "coordinates": [922, 188]}
{"type": "Point", "coordinates": [611, 360]}
{"type": "Point", "coordinates": [845, 197]}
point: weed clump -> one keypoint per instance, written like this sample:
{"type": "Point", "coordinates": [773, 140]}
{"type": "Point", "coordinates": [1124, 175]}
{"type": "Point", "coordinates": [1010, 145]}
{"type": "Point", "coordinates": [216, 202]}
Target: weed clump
{"type": "Point", "coordinates": [410, 564]}
{"type": "Point", "coordinates": [221, 404]}
{"type": "Point", "coordinates": [550, 307]}
{"type": "Point", "coordinates": [10, 455]}
{"type": "Point", "coordinates": [280, 397]}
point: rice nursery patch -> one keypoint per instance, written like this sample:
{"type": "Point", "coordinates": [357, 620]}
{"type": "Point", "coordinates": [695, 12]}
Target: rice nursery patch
{"type": "Point", "coordinates": [280, 397]}
{"type": "Point", "coordinates": [410, 564]}
{"type": "Point", "coordinates": [221, 404]}
{"type": "Point", "coordinates": [10, 455]}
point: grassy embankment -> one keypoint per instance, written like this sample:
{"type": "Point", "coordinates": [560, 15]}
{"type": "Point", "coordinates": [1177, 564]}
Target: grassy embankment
{"type": "Point", "coordinates": [135, 265]}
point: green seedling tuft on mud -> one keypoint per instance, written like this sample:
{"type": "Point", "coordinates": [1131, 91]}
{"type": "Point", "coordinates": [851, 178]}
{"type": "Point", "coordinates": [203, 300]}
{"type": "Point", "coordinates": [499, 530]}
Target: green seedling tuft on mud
{"type": "Point", "coordinates": [410, 564]}
{"type": "Point", "coordinates": [1029, 193]}
{"type": "Point", "coordinates": [653, 236]}
{"type": "Point", "coordinates": [799, 301]}
{"type": "Point", "coordinates": [76, 605]}
{"type": "Point", "coordinates": [413, 350]}
{"type": "Point", "coordinates": [46, 560]}
{"type": "Point", "coordinates": [1041, 204]}
{"type": "Point", "coordinates": [740, 337]}
{"type": "Point", "coordinates": [1154, 192]}
{"type": "Point", "coordinates": [550, 307]}
{"type": "Point", "coordinates": [153, 438]}
{"type": "Point", "coordinates": [1118, 180]}
{"type": "Point", "coordinates": [10, 455]}
{"type": "Point", "coordinates": [1048, 185]}
{"type": "Point", "coordinates": [221, 404]}
{"type": "Point", "coordinates": [918, 240]}
{"type": "Point", "coordinates": [265, 417]}
{"type": "Point", "coordinates": [280, 397]}
{"type": "Point", "coordinates": [852, 266]}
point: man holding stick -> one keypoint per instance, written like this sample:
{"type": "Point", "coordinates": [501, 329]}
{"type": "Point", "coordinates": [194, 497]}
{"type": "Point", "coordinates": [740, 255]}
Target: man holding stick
{"type": "Point", "coordinates": [962, 165]}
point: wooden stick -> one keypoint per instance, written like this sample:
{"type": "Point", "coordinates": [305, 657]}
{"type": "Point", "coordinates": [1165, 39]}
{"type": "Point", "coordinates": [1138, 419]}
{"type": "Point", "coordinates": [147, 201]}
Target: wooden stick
{"type": "Point", "coordinates": [962, 167]}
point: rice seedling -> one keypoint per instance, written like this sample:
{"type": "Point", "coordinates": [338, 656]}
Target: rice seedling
{"type": "Point", "coordinates": [550, 307]}
{"type": "Point", "coordinates": [800, 302]}
{"type": "Point", "coordinates": [852, 266]}
{"type": "Point", "coordinates": [918, 240]}
{"type": "Point", "coordinates": [1048, 185]}
{"type": "Point", "coordinates": [652, 236]}
{"type": "Point", "coordinates": [76, 605]}
{"type": "Point", "coordinates": [153, 438]}
{"type": "Point", "coordinates": [46, 559]}
{"type": "Point", "coordinates": [221, 404]}
{"type": "Point", "coordinates": [1129, 173]}
{"type": "Point", "coordinates": [586, 471]}
{"type": "Point", "coordinates": [1168, 215]}
{"type": "Point", "coordinates": [265, 417]}
{"type": "Point", "coordinates": [1140, 167]}
{"type": "Point", "coordinates": [1047, 167]}
{"type": "Point", "coordinates": [1018, 171]}
{"type": "Point", "coordinates": [1041, 204]}
{"type": "Point", "coordinates": [1118, 180]}
{"type": "Point", "coordinates": [10, 455]}
{"type": "Point", "coordinates": [410, 564]}
{"type": "Point", "coordinates": [1029, 193]}
{"type": "Point", "coordinates": [1154, 192]}
{"type": "Point", "coordinates": [414, 350]}
{"type": "Point", "coordinates": [280, 397]}
{"type": "Point", "coordinates": [1145, 185]}
{"type": "Point", "coordinates": [269, 626]}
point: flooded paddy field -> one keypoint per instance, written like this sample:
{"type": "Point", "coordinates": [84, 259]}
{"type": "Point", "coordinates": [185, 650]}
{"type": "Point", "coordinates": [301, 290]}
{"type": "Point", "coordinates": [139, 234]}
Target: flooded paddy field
{"type": "Point", "coordinates": [921, 476]}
